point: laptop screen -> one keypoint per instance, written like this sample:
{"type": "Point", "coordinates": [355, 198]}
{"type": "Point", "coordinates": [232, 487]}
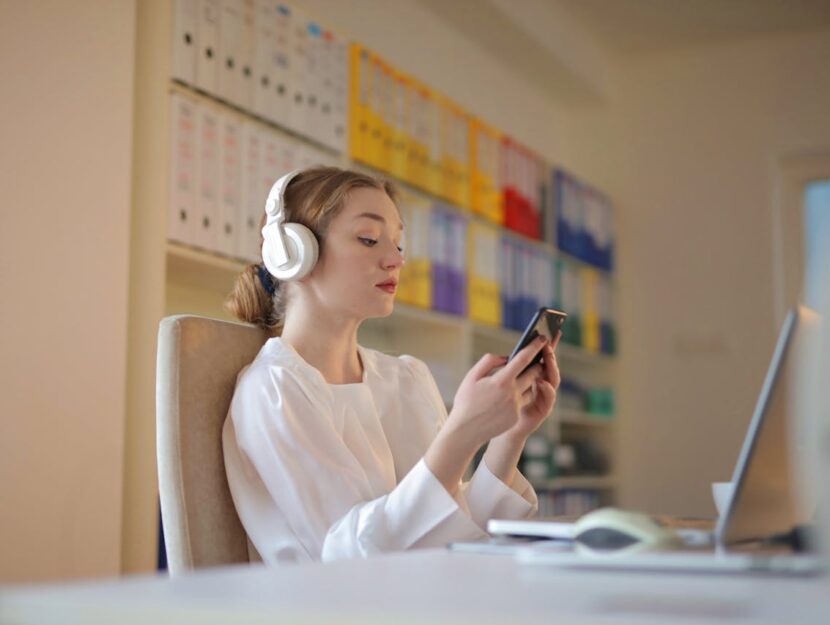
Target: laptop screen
{"type": "Point", "coordinates": [765, 499]}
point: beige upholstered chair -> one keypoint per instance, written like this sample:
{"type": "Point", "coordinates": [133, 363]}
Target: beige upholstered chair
{"type": "Point", "coordinates": [198, 360]}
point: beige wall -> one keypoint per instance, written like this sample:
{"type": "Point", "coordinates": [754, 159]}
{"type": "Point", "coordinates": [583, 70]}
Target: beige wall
{"type": "Point", "coordinates": [66, 71]}
{"type": "Point", "coordinates": [700, 133]}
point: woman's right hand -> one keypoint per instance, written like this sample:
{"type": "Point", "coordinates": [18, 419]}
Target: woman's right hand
{"type": "Point", "coordinates": [484, 407]}
{"type": "Point", "coordinates": [487, 405]}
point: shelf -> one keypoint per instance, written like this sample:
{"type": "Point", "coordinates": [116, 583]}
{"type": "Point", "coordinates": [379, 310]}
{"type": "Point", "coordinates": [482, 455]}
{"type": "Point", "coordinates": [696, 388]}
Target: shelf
{"type": "Point", "coordinates": [588, 482]}
{"type": "Point", "coordinates": [583, 419]}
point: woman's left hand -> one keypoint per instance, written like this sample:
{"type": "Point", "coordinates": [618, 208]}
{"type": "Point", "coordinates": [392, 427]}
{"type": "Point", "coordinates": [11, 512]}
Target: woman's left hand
{"type": "Point", "coordinates": [540, 398]}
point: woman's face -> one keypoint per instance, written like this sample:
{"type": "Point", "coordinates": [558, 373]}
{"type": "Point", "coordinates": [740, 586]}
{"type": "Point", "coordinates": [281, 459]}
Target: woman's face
{"type": "Point", "coordinates": [361, 256]}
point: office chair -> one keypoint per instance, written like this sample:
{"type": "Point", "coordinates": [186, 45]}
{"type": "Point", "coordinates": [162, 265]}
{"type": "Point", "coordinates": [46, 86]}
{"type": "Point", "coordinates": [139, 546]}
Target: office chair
{"type": "Point", "coordinates": [198, 360]}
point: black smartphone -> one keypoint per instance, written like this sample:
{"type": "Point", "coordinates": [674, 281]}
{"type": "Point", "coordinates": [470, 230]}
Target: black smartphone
{"type": "Point", "coordinates": [545, 321]}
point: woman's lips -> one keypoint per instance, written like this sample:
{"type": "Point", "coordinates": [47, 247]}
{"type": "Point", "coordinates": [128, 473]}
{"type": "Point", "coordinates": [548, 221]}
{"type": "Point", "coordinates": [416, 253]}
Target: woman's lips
{"type": "Point", "coordinates": [389, 287]}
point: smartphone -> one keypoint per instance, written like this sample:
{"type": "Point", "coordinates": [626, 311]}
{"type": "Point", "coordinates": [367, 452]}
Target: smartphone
{"type": "Point", "coordinates": [547, 322]}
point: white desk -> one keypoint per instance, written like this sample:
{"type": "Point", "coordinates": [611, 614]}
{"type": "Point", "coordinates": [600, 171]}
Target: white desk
{"type": "Point", "coordinates": [421, 587]}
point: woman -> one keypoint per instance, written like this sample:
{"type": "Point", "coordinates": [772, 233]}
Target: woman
{"type": "Point", "coordinates": [334, 450]}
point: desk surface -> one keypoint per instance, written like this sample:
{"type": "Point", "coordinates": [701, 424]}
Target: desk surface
{"type": "Point", "coordinates": [432, 587]}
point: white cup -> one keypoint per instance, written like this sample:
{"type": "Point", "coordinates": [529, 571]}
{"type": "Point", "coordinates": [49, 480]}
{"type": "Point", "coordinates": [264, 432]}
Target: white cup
{"type": "Point", "coordinates": [721, 493]}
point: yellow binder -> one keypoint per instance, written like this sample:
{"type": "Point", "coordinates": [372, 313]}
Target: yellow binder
{"type": "Point", "coordinates": [483, 263]}
{"type": "Point", "coordinates": [590, 314]}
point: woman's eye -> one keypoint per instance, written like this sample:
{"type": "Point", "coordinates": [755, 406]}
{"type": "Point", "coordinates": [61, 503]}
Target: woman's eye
{"type": "Point", "coordinates": [367, 241]}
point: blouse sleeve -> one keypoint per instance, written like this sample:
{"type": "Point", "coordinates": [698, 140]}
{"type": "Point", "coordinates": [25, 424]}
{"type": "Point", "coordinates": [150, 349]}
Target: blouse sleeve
{"type": "Point", "coordinates": [291, 447]}
{"type": "Point", "coordinates": [485, 495]}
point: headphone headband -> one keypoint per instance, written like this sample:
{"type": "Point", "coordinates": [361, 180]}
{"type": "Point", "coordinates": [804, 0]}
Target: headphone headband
{"type": "Point", "coordinates": [275, 211]}
{"type": "Point", "coordinates": [275, 204]}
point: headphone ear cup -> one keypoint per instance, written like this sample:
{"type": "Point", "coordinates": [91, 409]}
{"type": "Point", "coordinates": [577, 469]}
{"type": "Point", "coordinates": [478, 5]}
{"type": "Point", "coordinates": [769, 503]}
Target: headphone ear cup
{"type": "Point", "coordinates": [301, 247]}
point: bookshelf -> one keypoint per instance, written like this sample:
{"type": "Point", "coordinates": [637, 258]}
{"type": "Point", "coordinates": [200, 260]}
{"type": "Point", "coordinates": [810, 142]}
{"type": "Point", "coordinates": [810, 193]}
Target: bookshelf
{"type": "Point", "coordinates": [171, 278]}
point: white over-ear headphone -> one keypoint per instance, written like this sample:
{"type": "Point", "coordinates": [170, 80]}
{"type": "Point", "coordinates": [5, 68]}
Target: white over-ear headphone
{"type": "Point", "coordinates": [289, 250]}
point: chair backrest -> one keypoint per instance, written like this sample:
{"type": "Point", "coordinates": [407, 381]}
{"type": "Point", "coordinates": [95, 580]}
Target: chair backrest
{"type": "Point", "coordinates": [198, 361]}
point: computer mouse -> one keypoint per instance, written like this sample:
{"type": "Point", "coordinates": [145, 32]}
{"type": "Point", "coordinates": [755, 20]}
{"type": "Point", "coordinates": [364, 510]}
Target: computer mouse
{"type": "Point", "coordinates": [611, 531]}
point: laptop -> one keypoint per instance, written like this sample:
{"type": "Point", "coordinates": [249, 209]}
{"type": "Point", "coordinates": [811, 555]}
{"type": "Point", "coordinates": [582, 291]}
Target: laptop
{"type": "Point", "coordinates": [765, 499]}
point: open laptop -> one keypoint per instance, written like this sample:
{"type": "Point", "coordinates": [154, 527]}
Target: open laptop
{"type": "Point", "coordinates": [765, 500]}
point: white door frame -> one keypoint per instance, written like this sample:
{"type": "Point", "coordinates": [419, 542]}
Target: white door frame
{"type": "Point", "coordinates": [791, 173]}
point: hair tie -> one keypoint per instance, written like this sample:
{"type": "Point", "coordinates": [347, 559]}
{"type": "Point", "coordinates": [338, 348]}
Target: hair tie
{"type": "Point", "coordinates": [266, 280]}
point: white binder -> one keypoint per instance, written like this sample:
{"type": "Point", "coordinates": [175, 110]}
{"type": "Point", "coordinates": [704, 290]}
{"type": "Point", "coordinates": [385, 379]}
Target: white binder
{"type": "Point", "coordinates": [207, 31]}
{"type": "Point", "coordinates": [298, 46]}
{"type": "Point", "coordinates": [284, 26]}
{"type": "Point", "coordinates": [263, 87]}
{"type": "Point", "coordinates": [253, 202]}
{"type": "Point", "coordinates": [230, 196]}
{"type": "Point", "coordinates": [207, 176]}
{"type": "Point", "coordinates": [288, 156]}
{"type": "Point", "coordinates": [185, 21]}
{"type": "Point", "coordinates": [246, 56]}
{"type": "Point", "coordinates": [339, 94]}
{"type": "Point", "coordinates": [312, 121]}
{"type": "Point", "coordinates": [229, 49]}
{"type": "Point", "coordinates": [181, 210]}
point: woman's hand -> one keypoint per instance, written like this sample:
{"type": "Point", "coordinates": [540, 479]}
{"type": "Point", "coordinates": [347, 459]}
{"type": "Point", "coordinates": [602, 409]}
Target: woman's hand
{"type": "Point", "coordinates": [504, 406]}
{"type": "Point", "coordinates": [504, 450]}
{"type": "Point", "coordinates": [488, 405]}
{"type": "Point", "coordinates": [539, 399]}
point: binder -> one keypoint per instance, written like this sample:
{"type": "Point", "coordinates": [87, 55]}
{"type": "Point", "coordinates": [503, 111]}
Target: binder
{"type": "Point", "coordinates": [435, 178]}
{"type": "Point", "coordinates": [385, 117]}
{"type": "Point", "coordinates": [457, 264]}
{"type": "Point", "coordinates": [185, 40]}
{"type": "Point", "coordinates": [510, 168]}
{"type": "Point", "coordinates": [325, 84]}
{"type": "Point", "coordinates": [298, 69]}
{"type": "Point", "coordinates": [483, 261]}
{"type": "Point", "coordinates": [182, 207]}
{"type": "Point", "coordinates": [359, 82]}
{"type": "Point", "coordinates": [605, 235]}
{"type": "Point", "coordinates": [340, 94]}
{"type": "Point", "coordinates": [244, 99]}
{"type": "Point", "coordinates": [374, 146]}
{"type": "Point", "coordinates": [447, 166]}
{"type": "Point", "coordinates": [421, 135]}
{"type": "Point", "coordinates": [230, 191]}
{"type": "Point", "coordinates": [282, 92]}
{"type": "Point", "coordinates": [607, 330]}
{"type": "Point", "coordinates": [399, 144]}
{"type": "Point", "coordinates": [249, 242]}
{"type": "Point", "coordinates": [590, 316]}
{"type": "Point", "coordinates": [485, 191]}
{"type": "Point", "coordinates": [508, 283]}
{"type": "Point", "coordinates": [208, 38]}
{"type": "Point", "coordinates": [270, 168]}
{"type": "Point", "coordinates": [288, 155]}
{"type": "Point", "coordinates": [405, 278]}
{"type": "Point", "coordinates": [571, 302]}
{"type": "Point", "coordinates": [312, 122]}
{"type": "Point", "coordinates": [264, 60]}
{"type": "Point", "coordinates": [418, 253]}
{"type": "Point", "coordinates": [229, 48]}
{"type": "Point", "coordinates": [462, 158]}
{"type": "Point", "coordinates": [207, 176]}
{"type": "Point", "coordinates": [438, 241]}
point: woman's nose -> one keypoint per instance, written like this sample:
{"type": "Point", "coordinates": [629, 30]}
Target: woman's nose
{"type": "Point", "coordinates": [393, 258]}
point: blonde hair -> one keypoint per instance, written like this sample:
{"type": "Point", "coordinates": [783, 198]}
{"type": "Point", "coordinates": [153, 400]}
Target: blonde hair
{"type": "Point", "coordinates": [313, 198]}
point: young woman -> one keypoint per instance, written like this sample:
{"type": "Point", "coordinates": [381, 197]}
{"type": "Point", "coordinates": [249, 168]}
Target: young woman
{"type": "Point", "coordinates": [333, 450]}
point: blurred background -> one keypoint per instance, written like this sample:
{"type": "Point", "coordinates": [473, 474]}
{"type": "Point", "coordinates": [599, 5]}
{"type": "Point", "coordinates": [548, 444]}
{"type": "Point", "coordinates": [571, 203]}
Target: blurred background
{"type": "Point", "coordinates": [642, 164]}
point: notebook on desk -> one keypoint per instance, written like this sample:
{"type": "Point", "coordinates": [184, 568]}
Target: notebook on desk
{"type": "Point", "coordinates": [764, 500]}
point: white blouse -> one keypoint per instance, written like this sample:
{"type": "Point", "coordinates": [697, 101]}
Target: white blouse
{"type": "Point", "coordinates": [323, 471]}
